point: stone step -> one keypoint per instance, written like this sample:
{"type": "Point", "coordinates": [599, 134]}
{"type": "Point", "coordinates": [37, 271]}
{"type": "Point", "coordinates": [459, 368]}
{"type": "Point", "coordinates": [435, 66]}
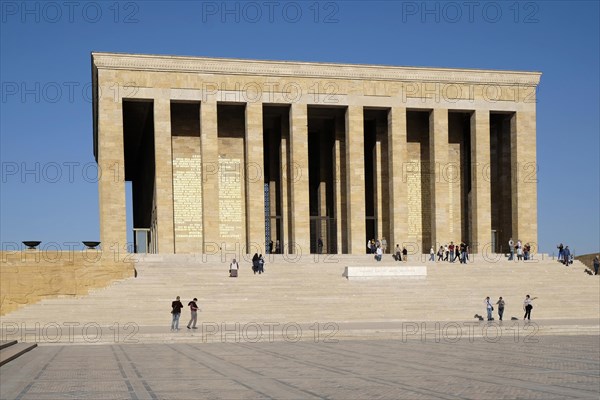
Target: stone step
{"type": "Point", "coordinates": [14, 350]}
{"type": "Point", "coordinates": [316, 291]}
{"type": "Point", "coordinates": [388, 329]}
{"type": "Point", "coordinates": [6, 343]}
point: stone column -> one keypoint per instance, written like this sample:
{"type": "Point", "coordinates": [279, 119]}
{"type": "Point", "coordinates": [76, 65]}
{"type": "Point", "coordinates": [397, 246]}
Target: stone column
{"type": "Point", "coordinates": [481, 200]}
{"type": "Point", "coordinates": [397, 158]}
{"type": "Point", "coordinates": [111, 175]}
{"type": "Point", "coordinates": [340, 183]}
{"type": "Point", "coordinates": [163, 159]}
{"type": "Point", "coordinates": [322, 200]}
{"type": "Point", "coordinates": [355, 182]}
{"type": "Point", "coordinates": [298, 174]}
{"type": "Point", "coordinates": [272, 211]}
{"type": "Point", "coordinates": [378, 188]}
{"type": "Point", "coordinates": [255, 195]}
{"type": "Point", "coordinates": [337, 193]}
{"type": "Point", "coordinates": [210, 176]}
{"type": "Point", "coordinates": [384, 194]}
{"type": "Point", "coordinates": [285, 189]}
{"type": "Point", "coordinates": [524, 177]}
{"type": "Point", "coordinates": [438, 164]}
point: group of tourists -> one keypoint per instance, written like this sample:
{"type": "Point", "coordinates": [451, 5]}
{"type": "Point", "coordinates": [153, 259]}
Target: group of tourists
{"type": "Point", "coordinates": [258, 266]}
{"type": "Point", "coordinates": [374, 244]}
{"type": "Point", "coordinates": [379, 248]}
{"type": "Point", "coordinates": [258, 263]}
{"type": "Point", "coordinates": [451, 252]}
{"type": "Point", "coordinates": [176, 307]}
{"type": "Point", "coordinates": [564, 255]}
{"type": "Point", "coordinates": [523, 252]}
{"type": "Point", "coordinates": [527, 307]}
{"type": "Point", "coordinates": [274, 247]}
{"type": "Point", "coordinates": [400, 254]}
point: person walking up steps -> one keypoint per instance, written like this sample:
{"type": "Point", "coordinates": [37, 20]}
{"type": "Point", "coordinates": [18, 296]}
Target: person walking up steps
{"type": "Point", "coordinates": [233, 269]}
{"type": "Point", "coordinates": [567, 256]}
{"type": "Point", "coordinates": [379, 253]}
{"type": "Point", "coordinates": [398, 255]}
{"type": "Point", "coordinates": [261, 264]}
{"type": "Point", "coordinates": [255, 263]}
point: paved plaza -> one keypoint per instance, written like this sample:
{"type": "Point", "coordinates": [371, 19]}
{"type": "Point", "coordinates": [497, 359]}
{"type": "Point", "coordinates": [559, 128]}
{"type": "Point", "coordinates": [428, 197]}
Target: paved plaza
{"type": "Point", "coordinates": [546, 367]}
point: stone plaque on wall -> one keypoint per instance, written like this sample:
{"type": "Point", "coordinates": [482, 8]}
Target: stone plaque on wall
{"type": "Point", "coordinates": [187, 194]}
{"type": "Point", "coordinates": [230, 198]}
{"type": "Point", "coordinates": [413, 181]}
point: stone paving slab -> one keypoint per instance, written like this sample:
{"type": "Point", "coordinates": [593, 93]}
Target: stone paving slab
{"type": "Point", "coordinates": [553, 367]}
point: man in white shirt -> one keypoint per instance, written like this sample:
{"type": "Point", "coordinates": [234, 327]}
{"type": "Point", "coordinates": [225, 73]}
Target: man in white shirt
{"type": "Point", "coordinates": [379, 253]}
{"type": "Point", "coordinates": [489, 308]}
{"type": "Point", "coordinates": [528, 306]}
{"type": "Point", "coordinates": [233, 269]}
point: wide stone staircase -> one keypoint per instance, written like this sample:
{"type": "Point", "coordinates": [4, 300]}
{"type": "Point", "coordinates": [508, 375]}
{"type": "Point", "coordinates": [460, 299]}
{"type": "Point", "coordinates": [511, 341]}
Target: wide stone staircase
{"type": "Point", "coordinates": [309, 293]}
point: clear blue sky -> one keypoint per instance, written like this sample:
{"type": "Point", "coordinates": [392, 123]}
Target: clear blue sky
{"type": "Point", "coordinates": [46, 115]}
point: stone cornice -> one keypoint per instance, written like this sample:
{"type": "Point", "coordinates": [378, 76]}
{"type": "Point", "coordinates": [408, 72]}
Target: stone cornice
{"type": "Point", "coordinates": [226, 66]}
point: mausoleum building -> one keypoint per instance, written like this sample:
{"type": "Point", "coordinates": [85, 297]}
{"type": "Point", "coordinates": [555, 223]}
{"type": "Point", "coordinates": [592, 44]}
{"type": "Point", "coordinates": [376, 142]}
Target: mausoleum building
{"type": "Point", "coordinates": [232, 154]}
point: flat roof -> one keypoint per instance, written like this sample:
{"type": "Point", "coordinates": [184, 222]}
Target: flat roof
{"type": "Point", "coordinates": [236, 66]}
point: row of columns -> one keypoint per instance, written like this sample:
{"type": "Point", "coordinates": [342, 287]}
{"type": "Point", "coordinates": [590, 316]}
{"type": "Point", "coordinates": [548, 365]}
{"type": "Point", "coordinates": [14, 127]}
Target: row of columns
{"type": "Point", "coordinates": [112, 188]}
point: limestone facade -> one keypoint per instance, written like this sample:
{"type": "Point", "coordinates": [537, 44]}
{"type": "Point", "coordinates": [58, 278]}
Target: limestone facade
{"type": "Point", "coordinates": [228, 155]}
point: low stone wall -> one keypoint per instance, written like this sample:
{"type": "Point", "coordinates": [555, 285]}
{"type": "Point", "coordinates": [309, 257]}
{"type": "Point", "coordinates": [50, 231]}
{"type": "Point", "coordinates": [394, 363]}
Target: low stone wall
{"type": "Point", "coordinates": [29, 276]}
{"type": "Point", "coordinates": [588, 259]}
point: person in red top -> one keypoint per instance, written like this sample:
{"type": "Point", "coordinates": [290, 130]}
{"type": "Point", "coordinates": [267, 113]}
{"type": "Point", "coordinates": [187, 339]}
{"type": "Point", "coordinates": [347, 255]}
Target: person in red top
{"type": "Point", "coordinates": [194, 311]}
